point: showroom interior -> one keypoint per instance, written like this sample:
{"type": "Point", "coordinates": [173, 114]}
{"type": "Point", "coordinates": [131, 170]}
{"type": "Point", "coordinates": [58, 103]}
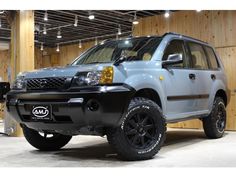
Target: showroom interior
{"type": "Point", "coordinates": [31, 40]}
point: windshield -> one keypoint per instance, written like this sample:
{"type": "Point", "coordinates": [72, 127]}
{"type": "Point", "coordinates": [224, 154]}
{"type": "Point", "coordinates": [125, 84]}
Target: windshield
{"type": "Point", "coordinates": [138, 49]}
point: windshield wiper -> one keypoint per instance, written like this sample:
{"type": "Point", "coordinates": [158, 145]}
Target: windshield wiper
{"type": "Point", "coordinates": [95, 62]}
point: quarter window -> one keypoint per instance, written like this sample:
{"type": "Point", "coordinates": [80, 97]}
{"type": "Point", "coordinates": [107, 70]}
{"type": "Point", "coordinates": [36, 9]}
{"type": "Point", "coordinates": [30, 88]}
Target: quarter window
{"type": "Point", "coordinates": [198, 56]}
{"type": "Point", "coordinates": [212, 58]}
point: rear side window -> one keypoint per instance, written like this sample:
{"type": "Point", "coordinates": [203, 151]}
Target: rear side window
{"type": "Point", "coordinates": [212, 58]}
{"type": "Point", "coordinates": [199, 60]}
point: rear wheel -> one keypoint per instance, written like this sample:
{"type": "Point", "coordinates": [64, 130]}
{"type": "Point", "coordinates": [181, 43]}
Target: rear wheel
{"type": "Point", "coordinates": [214, 124]}
{"type": "Point", "coordinates": [45, 141]}
{"type": "Point", "coordinates": [142, 132]}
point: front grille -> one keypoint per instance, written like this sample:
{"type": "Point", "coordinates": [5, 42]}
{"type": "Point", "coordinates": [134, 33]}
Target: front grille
{"type": "Point", "coordinates": [53, 83]}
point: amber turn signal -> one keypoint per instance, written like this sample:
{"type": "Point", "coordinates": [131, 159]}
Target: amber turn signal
{"type": "Point", "coordinates": [107, 75]}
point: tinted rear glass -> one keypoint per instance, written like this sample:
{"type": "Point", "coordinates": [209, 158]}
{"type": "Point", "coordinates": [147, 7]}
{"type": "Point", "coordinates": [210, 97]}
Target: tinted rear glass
{"type": "Point", "coordinates": [212, 58]}
{"type": "Point", "coordinates": [199, 60]}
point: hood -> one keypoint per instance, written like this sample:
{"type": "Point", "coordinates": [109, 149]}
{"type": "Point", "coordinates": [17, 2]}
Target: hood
{"type": "Point", "coordinates": [68, 71]}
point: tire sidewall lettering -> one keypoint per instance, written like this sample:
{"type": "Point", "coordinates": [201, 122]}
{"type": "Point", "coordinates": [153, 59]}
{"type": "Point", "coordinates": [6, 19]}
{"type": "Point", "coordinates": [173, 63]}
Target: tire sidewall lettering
{"type": "Point", "coordinates": [132, 110]}
{"type": "Point", "coordinates": [159, 138]}
{"type": "Point", "coordinates": [153, 146]}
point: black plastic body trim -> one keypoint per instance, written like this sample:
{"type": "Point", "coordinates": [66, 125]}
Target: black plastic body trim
{"type": "Point", "coordinates": [98, 106]}
{"type": "Point", "coordinates": [187, 97]}
{"type": "Point", "coordinates": [186, 119]}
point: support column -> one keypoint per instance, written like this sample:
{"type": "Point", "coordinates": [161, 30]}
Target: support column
{"type": "Point", "coordinates": [22, 55]}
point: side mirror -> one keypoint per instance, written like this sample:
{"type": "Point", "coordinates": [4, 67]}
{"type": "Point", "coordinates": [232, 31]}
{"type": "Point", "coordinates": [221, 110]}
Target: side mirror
{"type": "Point", "coordinates": [172, 59]}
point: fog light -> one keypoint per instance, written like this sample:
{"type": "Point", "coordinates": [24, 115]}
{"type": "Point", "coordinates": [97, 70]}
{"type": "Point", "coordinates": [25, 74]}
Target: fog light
{"type": "Point", "coordinates": [93, 105]}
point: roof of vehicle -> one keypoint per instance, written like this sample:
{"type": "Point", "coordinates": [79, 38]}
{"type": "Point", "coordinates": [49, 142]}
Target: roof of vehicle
{"type": "Point", "coordinates": [169, 33]}
{"type": "Point", "coordinates": [187, 37]}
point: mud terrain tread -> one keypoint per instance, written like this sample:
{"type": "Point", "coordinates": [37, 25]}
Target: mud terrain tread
{"type": "Point", "coordinates": [119, 146]}
{"type": "Point", "coordinates": [209, 122]}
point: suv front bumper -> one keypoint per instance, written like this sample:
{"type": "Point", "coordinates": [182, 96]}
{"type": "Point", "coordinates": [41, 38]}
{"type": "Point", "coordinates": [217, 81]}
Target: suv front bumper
{"type": "Point", "coordinates": [99, 106]}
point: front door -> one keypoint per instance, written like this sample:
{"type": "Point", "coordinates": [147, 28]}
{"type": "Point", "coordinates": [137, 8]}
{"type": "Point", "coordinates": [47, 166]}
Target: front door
{"type": "Point", "coordinates": [179, 83]}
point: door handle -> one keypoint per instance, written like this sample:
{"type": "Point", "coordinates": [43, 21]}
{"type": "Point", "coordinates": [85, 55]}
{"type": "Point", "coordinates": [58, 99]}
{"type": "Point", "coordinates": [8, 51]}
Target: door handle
{"type": "Point", "coordinates": [213, 76]}
{"type": "Point", "coordinates": [192, 76]}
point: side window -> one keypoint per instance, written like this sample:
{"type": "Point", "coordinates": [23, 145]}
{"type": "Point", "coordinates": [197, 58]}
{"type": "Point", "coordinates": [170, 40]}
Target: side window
{"type": "Point", "coordinates": [212, 58]}
{"type": "Point", "coordinates": [176, 47]}
{"type": "Point", "coordinates": [198, 56]}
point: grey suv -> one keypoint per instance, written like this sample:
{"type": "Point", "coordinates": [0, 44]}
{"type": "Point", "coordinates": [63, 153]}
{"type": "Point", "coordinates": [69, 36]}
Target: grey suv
{"type": "Point", "coordinates": [126, 89]}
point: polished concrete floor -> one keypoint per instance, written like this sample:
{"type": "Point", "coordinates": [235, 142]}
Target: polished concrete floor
{"type": "Point", "coordinates": [183, 148]}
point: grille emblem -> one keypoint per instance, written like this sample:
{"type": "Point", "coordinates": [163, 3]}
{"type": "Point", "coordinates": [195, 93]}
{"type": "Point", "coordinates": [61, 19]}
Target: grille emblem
{"type": "Point", "coordinates": [43, 83]}
{"type": "Point", "coordinates": [46, 83]}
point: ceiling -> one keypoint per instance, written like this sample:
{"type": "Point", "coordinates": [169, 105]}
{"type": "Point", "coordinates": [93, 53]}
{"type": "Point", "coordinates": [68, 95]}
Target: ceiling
{"type": "Point", "coordinates": [104, 26]}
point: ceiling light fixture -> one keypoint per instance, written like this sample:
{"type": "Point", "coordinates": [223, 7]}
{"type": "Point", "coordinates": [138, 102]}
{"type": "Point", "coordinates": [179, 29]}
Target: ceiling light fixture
{"type": "Point", "coordinates": [76, 21]}
{"type": "Point", "coordinates": [59, 36]}
{"type": "Point", "coordinates": [91, 16]}
{"type": "Point", "coordinates": [41, 48]}
{"type": "Point", "coordinates": [44, 30]}
{"type": "Point", "coordinates": [167, 14]}
{"type": "Point", "coordinates": [58, 48]}
{"type": "Point", "coordinates": [80, 44]}
{"type": "Point", "coordinates": [45, 16]}
{"type": "Point", "coordinates": [198, 10]}
{"type": "Point", "coordinates": [0, 22]}
{"type": "Point", "coordinates": [119, 30]}
{"type": "Point", "coordinates": [135, 20]}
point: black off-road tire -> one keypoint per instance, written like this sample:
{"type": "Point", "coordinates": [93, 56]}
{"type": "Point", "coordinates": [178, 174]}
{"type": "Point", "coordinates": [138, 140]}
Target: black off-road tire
{"type": "Point", "coordinates": [214, 124]}
{"type": "Point", "coordinates": [54, 142]}
{"type": "Point", "coordinates": [142, 132]}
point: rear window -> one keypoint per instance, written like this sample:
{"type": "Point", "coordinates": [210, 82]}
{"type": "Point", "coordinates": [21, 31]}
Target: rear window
{"type": "Point", "coordinates": [212, 58]}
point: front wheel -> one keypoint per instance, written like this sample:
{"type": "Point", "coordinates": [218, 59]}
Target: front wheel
{"type": "Point", "coordinates": [214, 124]}
{"type": "Point", "coordinates": [45, 141]}
{"type": "Point", "coordinates": [141, 133]}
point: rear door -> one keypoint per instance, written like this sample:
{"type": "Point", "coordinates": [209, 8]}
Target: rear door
{"type": "Point", "coordinates": [202, 79]}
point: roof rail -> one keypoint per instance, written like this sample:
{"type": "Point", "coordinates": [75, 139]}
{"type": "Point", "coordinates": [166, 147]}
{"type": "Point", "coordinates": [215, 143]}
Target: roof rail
{"type": "Point", "coordinates": [173, 33]}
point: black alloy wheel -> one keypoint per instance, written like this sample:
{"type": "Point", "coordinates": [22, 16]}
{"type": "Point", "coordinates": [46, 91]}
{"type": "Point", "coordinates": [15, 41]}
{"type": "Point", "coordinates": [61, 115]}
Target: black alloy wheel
{"type": "Point", "coordinates": [215, 123]}
{"type": "Point", "coordinates": [140, 130]}
{"type": "Point", "coordinates": [141, 133]}
{"type": "Point", "coordinates": [221, 118]}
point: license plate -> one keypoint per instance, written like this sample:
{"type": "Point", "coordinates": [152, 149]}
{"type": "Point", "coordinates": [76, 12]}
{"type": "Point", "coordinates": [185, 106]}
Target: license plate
{"type": "Point", "coordinates": [41, 113]}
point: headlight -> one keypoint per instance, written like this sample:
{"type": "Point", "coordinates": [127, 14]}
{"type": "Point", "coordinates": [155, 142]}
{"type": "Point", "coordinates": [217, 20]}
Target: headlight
{"type": "Point", "coordinates": [94, 77]}
{"type": "Point", "coordinates": [19, 83]}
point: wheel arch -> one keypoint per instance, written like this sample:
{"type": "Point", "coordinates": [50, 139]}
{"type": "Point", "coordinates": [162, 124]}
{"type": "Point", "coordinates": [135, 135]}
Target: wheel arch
{"type": "Point", "coordinates": [149, 87]}
{"type": "Point", "coordinates": [221, 93]}
{"type": "Point", "coordinates": [219, 89]}
{"type": "Point", "coordinates": [150, 94]}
